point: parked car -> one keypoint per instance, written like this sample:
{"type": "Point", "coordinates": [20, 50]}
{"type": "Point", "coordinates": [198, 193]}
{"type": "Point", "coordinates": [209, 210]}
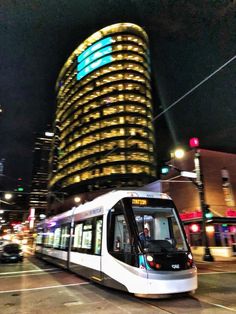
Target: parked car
{"type": "Point", "coordinates": [2, 243]}
{"type": "Point", "coordinates": [11, 252]}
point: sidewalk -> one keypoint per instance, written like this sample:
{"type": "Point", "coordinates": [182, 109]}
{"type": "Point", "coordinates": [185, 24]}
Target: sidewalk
{"type": "Point", "coordinates": [199, 258]}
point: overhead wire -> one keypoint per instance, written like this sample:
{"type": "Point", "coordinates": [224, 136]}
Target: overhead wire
{"type": "Point", "coordinates": [194, 88]}
{"type": "Point", "coordinates": [182, 97]}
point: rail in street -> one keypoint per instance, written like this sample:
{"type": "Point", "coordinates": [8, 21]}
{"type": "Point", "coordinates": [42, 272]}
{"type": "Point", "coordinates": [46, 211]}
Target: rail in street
{"type": "Point", "coordinates": [36, 287]}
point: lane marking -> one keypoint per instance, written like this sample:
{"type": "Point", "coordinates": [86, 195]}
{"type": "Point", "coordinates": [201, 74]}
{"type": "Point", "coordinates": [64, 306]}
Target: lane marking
{"type": "Point", "coordinates": [27, 271]}
{"type": "Point", "coordinates": [223, 307]}
{"type": "Point", "coordinates": [218, 305]}
{"type": "Point", "coordinates": [217, 273]}
{"type": "Point", "coordinates": [31, 274]}
{"type": "Point", "coordinates": [44, 288]}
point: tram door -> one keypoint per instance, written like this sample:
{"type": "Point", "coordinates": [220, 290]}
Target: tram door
{"type": "Point", "coordinates": [119, 241]}
{"type": "Point", "coordinates": [121, 235]}
{"type": "Point", "coordinates": [98, 247]}
{"type": "Point", "coordinates": [87, 241]}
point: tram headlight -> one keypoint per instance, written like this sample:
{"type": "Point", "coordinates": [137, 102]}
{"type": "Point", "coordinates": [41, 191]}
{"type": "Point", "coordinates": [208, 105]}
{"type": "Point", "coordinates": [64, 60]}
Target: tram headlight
{"type": "Point", "coordinates": [149, 258]}
{"type": "Point", "coordinates": [152, 263]}
{"type": "Point", "coordinates": [190, 262]}
{"type": "Point", "coordinates": [190, 256]}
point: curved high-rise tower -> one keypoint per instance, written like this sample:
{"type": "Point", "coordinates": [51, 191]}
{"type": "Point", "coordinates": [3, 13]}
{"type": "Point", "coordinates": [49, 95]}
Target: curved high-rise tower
{"type": "Point", "coordinates": [105, 135]}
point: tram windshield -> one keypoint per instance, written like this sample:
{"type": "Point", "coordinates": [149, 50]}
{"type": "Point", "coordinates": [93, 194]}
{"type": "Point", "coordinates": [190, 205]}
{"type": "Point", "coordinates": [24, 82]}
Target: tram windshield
{"type": "Point", "coordinates": [158, 226]}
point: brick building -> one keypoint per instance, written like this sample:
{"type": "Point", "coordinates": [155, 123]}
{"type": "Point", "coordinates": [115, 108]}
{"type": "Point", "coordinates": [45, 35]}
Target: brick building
{"type": "Point", "coordinates": [219, 177]}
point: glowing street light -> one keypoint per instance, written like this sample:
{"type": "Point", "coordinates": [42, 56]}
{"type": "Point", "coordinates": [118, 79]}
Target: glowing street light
{"type": "Point", "coordinates": [8, 196]}
{"type": "Point", "coordinates": [179, 153]}
{"type": "Point", "coordinates": [77, 199]}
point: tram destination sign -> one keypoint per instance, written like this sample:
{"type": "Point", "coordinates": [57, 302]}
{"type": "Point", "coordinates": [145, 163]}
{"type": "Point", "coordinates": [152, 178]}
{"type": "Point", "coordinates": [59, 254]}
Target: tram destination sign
{"type": "Point", "coordinates": [139, 202]}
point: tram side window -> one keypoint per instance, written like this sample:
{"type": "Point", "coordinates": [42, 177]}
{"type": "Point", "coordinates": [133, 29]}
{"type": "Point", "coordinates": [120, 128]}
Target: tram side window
{"type": "Point", "coordinates": [61, 237]}
{"type": "Point", "coordinates": [177, 235]}
{"type": "Point", "coordinates": [98, 237]}
{"type": "Point", "coordinates": [56, 239]}
{"type": "Point", "coordinates": [120, 240]}
{"type": "Point", "coordinates": [65, 236]}
{"type": "Point", "coordinates": [88, 236]}
{"type": "Point", "coordinates": [49, 236]}
{"type": "Point", "coordinates": [78, 236]}
{"type": "Point", "coordinates": [39, 239]}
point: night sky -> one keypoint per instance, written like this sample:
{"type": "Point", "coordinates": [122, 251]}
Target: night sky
{"type": "Point", "coordinates": [189, 40]}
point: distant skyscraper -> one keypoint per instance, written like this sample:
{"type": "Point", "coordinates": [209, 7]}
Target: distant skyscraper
{"type": "Point", "coordinates": [105, 136]}
{"type": "Point", "coordinates": [40, 173]}
{"type": "Point", "coordinates": [2, 166]}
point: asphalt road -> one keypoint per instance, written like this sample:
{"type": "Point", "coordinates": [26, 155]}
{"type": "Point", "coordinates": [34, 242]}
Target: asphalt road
{"type": "Point", "coordinates": [34, 287]}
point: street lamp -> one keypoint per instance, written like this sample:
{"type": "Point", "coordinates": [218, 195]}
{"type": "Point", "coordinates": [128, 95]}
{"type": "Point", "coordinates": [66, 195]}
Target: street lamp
{"type": "Point", "coordinates": [8, 196]}
{"type": "Point", "coordinates": [77, 199]}
{"type": "Point", "coordinates": [194, 144]}
{"type": "Point", "coordinates": [178, 153]}
{"type": "Point", "coordinates": [197, 179]}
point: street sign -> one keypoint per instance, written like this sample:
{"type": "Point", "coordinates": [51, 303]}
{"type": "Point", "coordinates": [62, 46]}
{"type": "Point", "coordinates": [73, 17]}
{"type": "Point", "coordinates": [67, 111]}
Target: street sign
{"type": "Point", "coordinates": [188, 174]}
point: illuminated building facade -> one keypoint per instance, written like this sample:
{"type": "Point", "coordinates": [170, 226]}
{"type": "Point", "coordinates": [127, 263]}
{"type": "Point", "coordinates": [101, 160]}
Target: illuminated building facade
{"type": "Point", "coordinates": [104, 113]}
{"type": "Point", "coordinates": [40, 173]}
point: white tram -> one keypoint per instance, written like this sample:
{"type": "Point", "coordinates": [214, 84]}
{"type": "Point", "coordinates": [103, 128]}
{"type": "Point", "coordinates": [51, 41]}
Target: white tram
{"type": "Point", "coordinates": [101, 240]}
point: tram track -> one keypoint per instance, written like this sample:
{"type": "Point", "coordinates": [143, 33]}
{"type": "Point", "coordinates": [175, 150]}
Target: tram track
{"type": "Point", "coordinates": [173, 305]}
{"type": "Point", "coordinates": [152, 304]}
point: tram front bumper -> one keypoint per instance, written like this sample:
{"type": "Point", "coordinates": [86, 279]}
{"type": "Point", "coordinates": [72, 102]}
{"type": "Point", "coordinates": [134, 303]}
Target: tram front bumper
{"type": "Point", "coordinates": [168, 283]}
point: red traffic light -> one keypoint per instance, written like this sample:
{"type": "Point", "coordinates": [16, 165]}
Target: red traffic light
{"type": "Point", "coordinates": [194, 142]}
{"type": "Point", "coordinates": [194, 227]}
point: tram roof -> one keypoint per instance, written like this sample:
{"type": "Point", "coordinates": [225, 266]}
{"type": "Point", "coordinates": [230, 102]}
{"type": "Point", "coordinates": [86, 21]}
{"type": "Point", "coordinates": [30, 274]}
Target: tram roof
{"type": "Point", "coordinates": [106, 201]}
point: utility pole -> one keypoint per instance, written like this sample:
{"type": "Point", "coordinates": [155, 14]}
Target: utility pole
{"type": "Point", "coordinates": [194, 143]}
{"type": "Point", "coordinates": [197, 179]}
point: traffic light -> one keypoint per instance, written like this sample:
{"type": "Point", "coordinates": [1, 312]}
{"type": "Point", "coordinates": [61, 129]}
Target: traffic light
{"type": "Point", "coordinates": [194, 142]}
{"type": "Point", "coordinates": [165, 170]}
{"type": "Point", "coordinates": [194, 228]}
{"type": "Point", "coordinates": [207, 212]}
{"type": "Point", "coordinates": [19, 185]}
